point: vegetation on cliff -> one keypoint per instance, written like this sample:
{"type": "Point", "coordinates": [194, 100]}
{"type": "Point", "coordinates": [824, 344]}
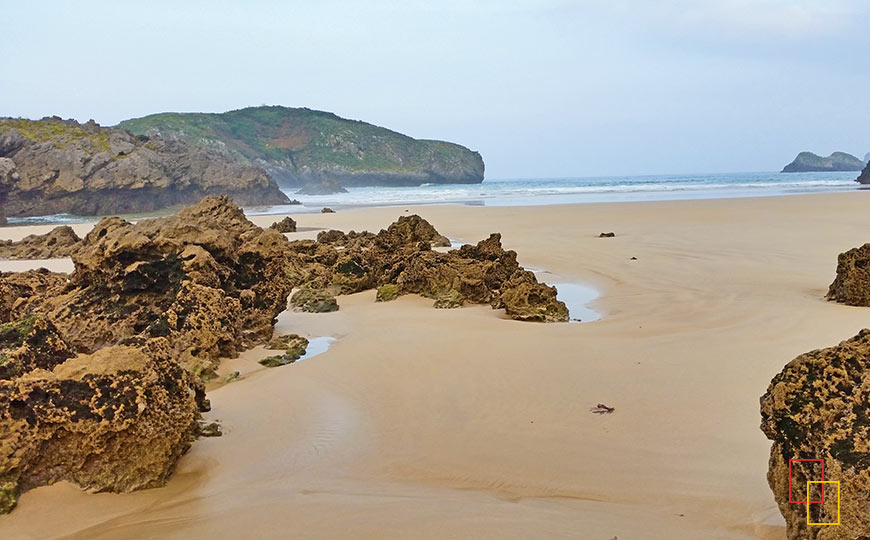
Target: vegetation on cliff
{"type": "Point", "coordinates": [302, 146]}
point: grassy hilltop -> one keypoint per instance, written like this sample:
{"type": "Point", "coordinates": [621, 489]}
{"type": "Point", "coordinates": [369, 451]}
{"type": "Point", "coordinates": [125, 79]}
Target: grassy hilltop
{"type": "Point", "coordinates": [299, 146]}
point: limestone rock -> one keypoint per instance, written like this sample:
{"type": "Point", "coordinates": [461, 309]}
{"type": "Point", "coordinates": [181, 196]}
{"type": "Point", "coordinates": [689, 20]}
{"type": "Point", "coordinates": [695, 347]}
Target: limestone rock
{"type": "Point", "coordinates": [413, 229]}
{"type": "Point", "coordinates": [117, 420]}
{"type": "Point", "coordinates": [8, 177]}
{"type": "Point", "coordinates": [817, 408]}
{"type": "Point", "coordinates": [59, 242]}
{"type": "Point", "coordinates": [288, 224]}
{"type": "Point", "coordinates": [852, 283]}
{"type": "Point", "coordinates": [30, 343]}
{"type": "Point", "coordinates": [314, 301]}
{"type": "Point", "coordinates": [85, 169]}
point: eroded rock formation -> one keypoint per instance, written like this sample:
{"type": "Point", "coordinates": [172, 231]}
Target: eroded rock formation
{"type": "Point", "coordinates": [117, 420]}
{"type": "Point", "coordinates": [101, 371]}
{"type": "Point", "coordinates": [59, 242]}
{"type": "Point", "coordinates": [288, 224]}
{"type": "Point", "coordinates": [852, 284]}
{"type": "Point", "coordinates": [818, 407]}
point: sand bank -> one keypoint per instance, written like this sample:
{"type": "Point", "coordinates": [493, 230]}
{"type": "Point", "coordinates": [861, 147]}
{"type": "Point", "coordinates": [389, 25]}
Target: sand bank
{"type": "Point", "coordinates": [425, 423]}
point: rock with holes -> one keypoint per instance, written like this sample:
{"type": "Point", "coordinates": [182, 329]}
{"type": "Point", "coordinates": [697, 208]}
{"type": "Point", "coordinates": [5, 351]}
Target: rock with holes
{"type": "Point", "coordinates": [116, 420]}
{"type": "Point", "coordinates": [818, 407]}
{"type": "Point", "coordinates": [852, 284]}
{"type": "Point", "coordinates": [59, 242]}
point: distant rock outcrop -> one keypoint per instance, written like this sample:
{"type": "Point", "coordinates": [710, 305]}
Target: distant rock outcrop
{"type": "Point", "coordinates": [838, 161]}
{"type": "Point", "coordinates": [59, 242]}
{"type": "Point", "coordinates": [61, 166]}
{"type": "Point", "coordinates": [302, 146]}
{"type": "Point", "coordinates": [327, 187]}
{"type": "Point", "coordinates": [864, 177]}
{"type": "Point", "coordinates": [816, 408]}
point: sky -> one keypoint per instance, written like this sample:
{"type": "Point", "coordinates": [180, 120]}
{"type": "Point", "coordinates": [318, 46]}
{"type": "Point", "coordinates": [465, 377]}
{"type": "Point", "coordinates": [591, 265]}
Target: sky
{"type": "Point", "coordinates": [541, 88]}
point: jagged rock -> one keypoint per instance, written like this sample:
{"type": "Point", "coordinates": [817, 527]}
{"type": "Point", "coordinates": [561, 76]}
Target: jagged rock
{"type": "Point", "coordinates": [207, 279]}
{"type": "Point", "coordinates": [327, 187]}
{"type": "Point", "coordinates": [524, 299]}
{"type": "Point", "coordinates": [288, 224]}
{"type": "Point", "coordinates": [231, 377]}
{"type": "Point", "coordinates": [852, 284]}
{"type": "Point", "coordinates": [314, 301]}
{"type": "Point", "coordinates": [23, 292]}
{"type": "Point", "coordinates": [413, 229]}
{"type": "Point", "coordinates": [59, 242]}
{"type": "Point", "coordinates": [117, 420]}
{"type": "Point", "coordinates": [327, 210]}
{"type": "Point", "coordinates": [293, 345]}
{"type": "Point", "coordinates": [85, 169]}
{"type": "Point", "coordinates": [208, 429]}
{"type": "Point", "coordinates": [399, 260]}
{"type": "Point", "coordinates": [817, 408]}
{"type": "Point", "coordinates": [30, 343]}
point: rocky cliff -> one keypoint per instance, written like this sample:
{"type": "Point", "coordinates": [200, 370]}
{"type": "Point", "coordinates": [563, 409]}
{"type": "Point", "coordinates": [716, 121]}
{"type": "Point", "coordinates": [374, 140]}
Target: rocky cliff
{"type": "Point", "coordinates": [864, 177]}
{"type": "Point", "coordinates": [54, 166]}
{"type": "Point", "coordinates": [303, 146]}
{"type": "Point", "coordinates": [838, 161]}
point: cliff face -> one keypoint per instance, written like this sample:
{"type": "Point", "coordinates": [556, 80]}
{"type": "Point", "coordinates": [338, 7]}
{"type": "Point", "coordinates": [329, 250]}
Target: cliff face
{"type": "Point", "coordinates": [302, 146]}
{"type": "Point", "coordinates": [838, 161]}
{"type": "Point", "coordinates": [54, 166]}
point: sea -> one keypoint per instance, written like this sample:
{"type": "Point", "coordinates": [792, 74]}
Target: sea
{"type": "Point", "coordinates": [548, 191]}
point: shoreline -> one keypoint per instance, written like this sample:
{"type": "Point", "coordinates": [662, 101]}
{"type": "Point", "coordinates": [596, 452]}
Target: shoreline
{"type": "Point", "coordinates": [428, 423]}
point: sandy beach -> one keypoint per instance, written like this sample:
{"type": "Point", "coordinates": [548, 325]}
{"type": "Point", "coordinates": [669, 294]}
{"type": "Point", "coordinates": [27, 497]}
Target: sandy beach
{"type": "Point", "coordinates": [427, 423]}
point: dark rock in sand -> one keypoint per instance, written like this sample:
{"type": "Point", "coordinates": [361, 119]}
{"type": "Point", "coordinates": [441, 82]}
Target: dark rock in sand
{"type": "Point", "coordinates": [293, 345]}
{"type": "Point", "coordinates": [288, 224]}
{"type": "Point", "coordinates": [59, 242]}
{"type": "Point", "coordinates": [817, 408]}
{"type": "Point", "coordinates": [314, 301]}
{"type": "Point", "coordinates": [327, 210]}
{"type": "Point", "coordinates": [852, 283]}
{"type": "Point", "coordinates": [606, 235]}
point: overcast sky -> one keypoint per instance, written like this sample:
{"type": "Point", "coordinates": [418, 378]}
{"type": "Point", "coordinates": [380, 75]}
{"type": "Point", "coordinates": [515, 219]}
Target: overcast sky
{"type": "Point", "coordinates": [541, 88]}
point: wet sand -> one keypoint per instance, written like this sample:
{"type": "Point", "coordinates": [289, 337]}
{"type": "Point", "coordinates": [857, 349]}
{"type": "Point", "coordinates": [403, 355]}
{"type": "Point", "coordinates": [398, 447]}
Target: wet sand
{"type": "Point", "coordinates": [425, 423]}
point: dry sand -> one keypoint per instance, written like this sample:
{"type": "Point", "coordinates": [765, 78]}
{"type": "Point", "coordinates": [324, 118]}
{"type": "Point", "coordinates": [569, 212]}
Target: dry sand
{"type": "Point", "coordinates": [425, 423]}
